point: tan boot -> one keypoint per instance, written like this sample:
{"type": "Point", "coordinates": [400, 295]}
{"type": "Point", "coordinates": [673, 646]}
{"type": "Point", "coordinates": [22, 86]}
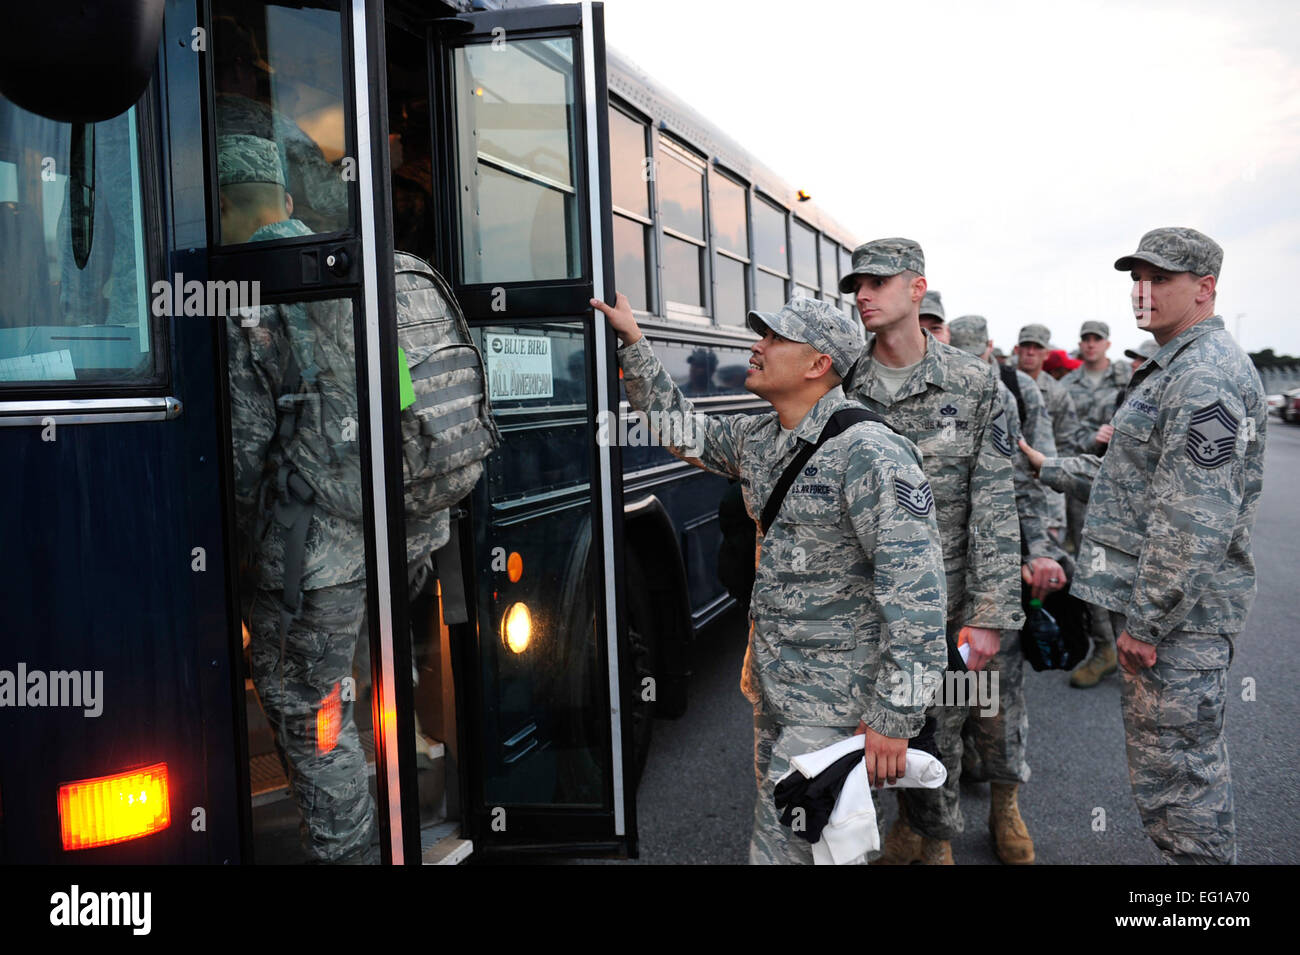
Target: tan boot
{"type": "Point", "coordinates": [1014, 847]}
{"type": "Point", "coordinates": [903, 844]}
{"type": "Point", "coordinates": [1090, 671]}
{"type": "Point", "coordinates": [936, 852]}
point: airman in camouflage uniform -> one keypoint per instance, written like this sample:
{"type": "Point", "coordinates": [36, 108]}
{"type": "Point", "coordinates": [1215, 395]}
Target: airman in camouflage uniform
{"type": "Point", "coordinates": [848, 604]}
{"type": "Point", "coordinates": [1095, 402]}
{"type": "Point", "coordinates": [994, 746]}
{"type": "Point", "coordinates": [308, 472]}
{"type": "Point", "coordinates": [1060, 407]}
{"type": "Point", "coordinates": [1166, 546]}
{"type": "Point", "coordinates": [947, 403]}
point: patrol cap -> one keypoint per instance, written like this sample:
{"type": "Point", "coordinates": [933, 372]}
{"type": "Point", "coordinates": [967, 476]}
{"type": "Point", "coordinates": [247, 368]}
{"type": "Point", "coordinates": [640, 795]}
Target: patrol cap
{"type": "Point", "coordinates": [932, 305]}
{"type": "Point", "coordinates": [703, 356]}
{"type": "Point", "coordinates": [970, 333]}
{"type": "Point", "coordinates": [248, 159]}
{"type": "Point", "coordinates": [1176, 249]}
{"type": "Point", "coordinates": [1095, 328]}
{"type": "Point", "coordinates": [822, 325]}
{"type": "Point", "coordinates": [1035, 334]}
{"type": "Point", "coordinates": [883, 257]}
{"type": "Point", "coordinates": [1143, 351]}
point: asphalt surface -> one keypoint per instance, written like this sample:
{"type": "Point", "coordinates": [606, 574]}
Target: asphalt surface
{"type": "Point", "coordinates": [696, 800]}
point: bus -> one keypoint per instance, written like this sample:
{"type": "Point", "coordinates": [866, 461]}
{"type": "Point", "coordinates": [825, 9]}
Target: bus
{"type": "Point", "coordinates": [500, 700]}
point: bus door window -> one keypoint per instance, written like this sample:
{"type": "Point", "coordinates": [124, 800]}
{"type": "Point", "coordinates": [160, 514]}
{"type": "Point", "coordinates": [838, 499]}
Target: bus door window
{"type": "Point", "coordinates": [517, 143]}
{"type": "Point", "coordinates": [278, 75]}
{"type": "Point", "coordinates": [74, 293]}
{"type": "Point", "coordinates": [299, 495]}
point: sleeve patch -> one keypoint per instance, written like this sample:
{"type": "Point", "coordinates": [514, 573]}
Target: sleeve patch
{"type": "Point", "coordinates": [998, 430]}
{"type": "Point", "coordinates": [1212, 436]}
{"type": "Point", "coordinates": [915, 499]}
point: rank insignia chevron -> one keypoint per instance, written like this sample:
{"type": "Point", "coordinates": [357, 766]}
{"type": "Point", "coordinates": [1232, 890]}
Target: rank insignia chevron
{"type": "Point", "coordinates": [1212, 436]}
{"type": "Point", "coordinates": [918, 499]}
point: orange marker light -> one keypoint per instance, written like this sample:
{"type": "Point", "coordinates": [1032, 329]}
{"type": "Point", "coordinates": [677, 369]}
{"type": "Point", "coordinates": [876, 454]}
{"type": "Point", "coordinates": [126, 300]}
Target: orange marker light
{"type": "Point", "coordinates": [109, 809]}
{"type": "Point", "coordinates": [515, 566]}
{"type": "Point", "coordinates": [328, 719]}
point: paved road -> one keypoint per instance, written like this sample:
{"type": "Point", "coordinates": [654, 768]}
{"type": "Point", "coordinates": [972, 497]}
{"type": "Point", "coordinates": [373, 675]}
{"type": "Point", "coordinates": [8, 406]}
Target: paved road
{"type": "Point", "coordinates": [697, 798]}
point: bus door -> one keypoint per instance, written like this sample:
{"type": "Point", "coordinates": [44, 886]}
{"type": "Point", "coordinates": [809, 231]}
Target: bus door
{"type": "Point", "coordinates": [521, 158]}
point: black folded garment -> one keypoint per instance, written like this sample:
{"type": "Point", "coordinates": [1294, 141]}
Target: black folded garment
{"type": "Point", "coordinates": [817, 796]}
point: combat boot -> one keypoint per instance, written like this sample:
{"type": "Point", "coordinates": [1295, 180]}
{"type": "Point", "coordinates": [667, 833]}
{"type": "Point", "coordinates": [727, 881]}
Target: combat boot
{"type": "Point", "coordinates": [1090, 671]}
{"type": "Point", "coordinates": [1014, 847]}
{"type": "Point", "coordinates": [936, 852]}
{"type": "Point", "coordinates": [903, 844]}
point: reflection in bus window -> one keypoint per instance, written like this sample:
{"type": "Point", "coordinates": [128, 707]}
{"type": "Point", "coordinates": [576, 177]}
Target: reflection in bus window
{"type": "Point", "coordinates": [61, 319]}
{"type": "Point", "coordinates": [279, 76]}
{"type": "Point", "coordinates": [516, 116]}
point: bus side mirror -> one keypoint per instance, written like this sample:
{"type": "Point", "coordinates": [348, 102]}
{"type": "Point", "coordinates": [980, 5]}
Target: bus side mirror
{"type": "Point", "coordinates": [78, 62]}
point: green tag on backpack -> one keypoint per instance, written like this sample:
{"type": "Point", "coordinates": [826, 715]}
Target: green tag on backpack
{"type": "Point", "coordinates": [405, 390]}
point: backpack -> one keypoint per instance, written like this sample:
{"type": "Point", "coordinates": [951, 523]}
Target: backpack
{"type": "Point", "coordinates": [448, 429]}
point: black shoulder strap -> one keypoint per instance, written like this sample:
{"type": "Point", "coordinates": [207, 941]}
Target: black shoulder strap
{"type": "Point", "coordinates": [839, 422]}
{"type": "Point", "coordinates": [1012, 381]}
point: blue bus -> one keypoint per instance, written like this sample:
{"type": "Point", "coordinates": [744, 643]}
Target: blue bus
{"type": "Point", "coordinates": [501, 699]}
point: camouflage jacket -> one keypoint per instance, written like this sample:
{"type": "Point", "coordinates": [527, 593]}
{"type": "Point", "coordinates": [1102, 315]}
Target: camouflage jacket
{"type": "Point", "coordinates": [1060, 408]}
{"type": "Point", "coordinates": [848, 601]}
{"type": "Point", "coordinates": [1095, 403]}
{"type": "Point", "coordinates": [1167, 538]}
{"type": "Point", "coordinates": [324, 449]}
{"type": "Point", "coordinates": [950, 408]}
{"type": "Point", "coordinates": [1031, 497]}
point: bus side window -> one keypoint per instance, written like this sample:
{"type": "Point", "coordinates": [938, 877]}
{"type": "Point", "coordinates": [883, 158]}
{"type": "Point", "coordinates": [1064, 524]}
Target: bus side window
{"type": "Point", "coordinates": [64, 320]}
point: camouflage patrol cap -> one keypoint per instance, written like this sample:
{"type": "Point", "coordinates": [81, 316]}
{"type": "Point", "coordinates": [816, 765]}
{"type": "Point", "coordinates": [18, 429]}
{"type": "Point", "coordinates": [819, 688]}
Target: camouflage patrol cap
{"type": "Point", "coordinates": [1094, 328]}
{"type": "Point", "coordinates": [932, 304]}
{"type": "Point", "coordinates": [1035, 334]}
{"type": "Point", "coordinates": [248, 159]}
{"type": "Point", "coordinates": [970, 333]}
{"type": "Point", "coordinates": [819, 324]}
{"type": "Point", "coordinates": [1176, 249]}
{"type": "Point", "coordinates": [1144, 351]}
{"type": "Point", "coordinates": [883, 257]}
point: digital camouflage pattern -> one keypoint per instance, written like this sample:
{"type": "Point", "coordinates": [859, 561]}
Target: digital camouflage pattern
{"type": "Point", "coordinates": [1035, 334]}
{"type": "Point", "coordinates": [883, 257]}
{"type": "Point", "coordinates": [775, 744]}
{"type": "Point", "coordinates": [320, 195]}
{"type": "Point", "coordinates": [1032, 506]}
{"type": "Point", "coordinates": [825, 327]}
{"type": "Point", "coordinates": [1065, 429]}
{"type": "Point", "coordinates": [325, 447]}
{"type": "Point", "coordinates": [1167, 549]}
{"type": "Point", "coordinates": [1177, 752]}
{"type": "Point", "coordinates": [849, 592]}
{"type": "Point", "coordinates": [1094, 402]}
{"type": "Point", "coordinates": [1094, 327]}
{"type": "Point", "coordinates": [932, 304]}
{"type": "Point", "coordinates": [248, 159]}
{"type": "Point", "coordinates": [330, 784]}
{"type": "Point", "coordinates": [1177, 249]}
{"type": "Point", "coordinates": [949, 407]}
{"type": "Point", "coordinates": [1177, 492]}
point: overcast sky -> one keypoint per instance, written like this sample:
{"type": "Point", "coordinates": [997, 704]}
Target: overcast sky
{"type": "Point", "coordinates": [1026, 146]}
